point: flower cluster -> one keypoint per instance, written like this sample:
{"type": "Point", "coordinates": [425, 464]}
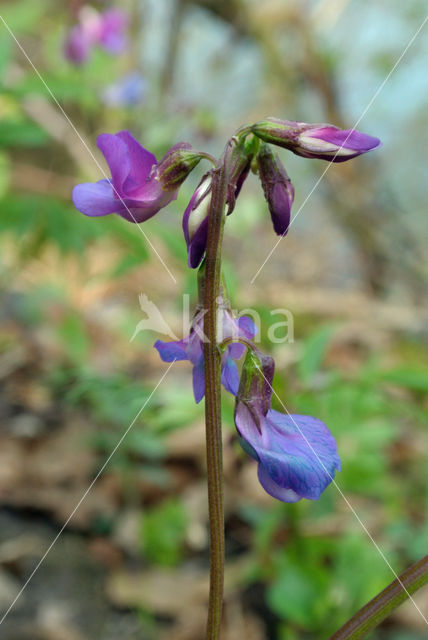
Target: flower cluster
{"type": "Point", "coordinates": [106, 29]}
{"type": "Point", "coordinates": [297, 455]}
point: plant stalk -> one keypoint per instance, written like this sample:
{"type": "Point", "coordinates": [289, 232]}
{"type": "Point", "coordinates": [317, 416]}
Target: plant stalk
{"type": "Point", "coordinates": [212, 365]}
{"type": "Point", "coordinates": [381, 606]}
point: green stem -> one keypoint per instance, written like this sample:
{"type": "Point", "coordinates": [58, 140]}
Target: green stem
{"type": "Point", "coordinates": [212, 364]}
{"type": "Point", "coordinates": [372, 614]}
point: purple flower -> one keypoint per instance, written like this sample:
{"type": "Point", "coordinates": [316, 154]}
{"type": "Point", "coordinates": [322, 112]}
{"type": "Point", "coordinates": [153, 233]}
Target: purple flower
{"type": "Point", "coordinates": [78, 45]}
{"type": "Point", "coordinates": [135, 191]}
{"type": "Point", "coordinates": [107, 29]}
{"type": "Point", "coordinates": [112, 35]}
{"type": "Point", "coordinates": [191, 348]}
{"type": "Point", "coordinates": [323, 141]}
{"type": "Point", "coordinates": [128, 91]}
{"type": "Point", "coordinates": [195, 222]}
{"type": "Point", "coordinates": [297, 455]}
{"type": "Point", "coordinates": [277, 187]}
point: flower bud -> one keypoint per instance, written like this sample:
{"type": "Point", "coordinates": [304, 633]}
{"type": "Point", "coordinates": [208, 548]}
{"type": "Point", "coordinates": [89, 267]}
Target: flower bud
{"type": "Point", "coordinates": [323, 141]}
{"type": "Point", "coordinates": [195, 222]}
{"type": "Point", "coordinates": [277, 187]}
{"type": "Point", "coordinates": [239, 166]}
{"type": "Point", "coordinates": [255, 387]}
{"type": "Point", "coordinates": [176, 165]}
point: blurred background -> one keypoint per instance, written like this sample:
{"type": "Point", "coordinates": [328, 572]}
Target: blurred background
{"type": "Point", "coordinates": [132, 561]}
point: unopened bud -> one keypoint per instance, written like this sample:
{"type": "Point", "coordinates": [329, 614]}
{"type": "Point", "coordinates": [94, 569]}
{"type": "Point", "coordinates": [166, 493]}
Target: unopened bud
{"type": "Point", "coordinates": [255, 387]}
{"type": "Point", "coordinates": [277, 187]}
{"type": "Point", "coordinates": [323, 141]}
{"type": "Point", "coordinates": [239, 166]}
{"type": "Point", "coordinates": [176, 165]}
{"type": "Point", "coordinates": [195, 222]}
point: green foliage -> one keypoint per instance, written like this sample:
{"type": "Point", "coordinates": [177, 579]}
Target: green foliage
{"type": "Point", "coordinates": [21, 133]}
{"type": "Point", "coordinates": [314, 351]}
{"type": "Point", "coordinates": [163, 531]}
{"type": "Point", "coordinates": [40, 220]}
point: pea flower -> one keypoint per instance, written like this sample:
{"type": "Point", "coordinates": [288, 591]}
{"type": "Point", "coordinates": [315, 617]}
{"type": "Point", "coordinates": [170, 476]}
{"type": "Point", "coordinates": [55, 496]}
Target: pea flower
{"type": "Point", "coordinates": [277, 187]}
{"type": "Point", "coordinates": [107, 29]}
{"type": "Point", "coordinates": [139, 186]}
{"type": "Point", "coordinates": [323, 141]}
{"type": "Point", "coordinates": [191, 348]}
{"type": "Point", "coordinates": [297, 455]}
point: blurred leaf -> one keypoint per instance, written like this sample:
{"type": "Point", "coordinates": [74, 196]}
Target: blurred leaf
{"type": "Point", "coordinates": [74, 336]}
{"type": "Point", "coordinates": [4, 173]}
{"type": "Point", "coordinates": [145, 443]}
{"type": "Point", "coordinates": [163, 532]}
{"type": "Point", "coordinates": [314, 352]}
{"type": "Point", "coordinates": [21, 133]}
{"type": "Point", "coordinates": [409, 378]}
{"type": "Point", "coordinates": [294, 595]}
{"type": "Point", "coordinates": [38, 219]}
{"type": "Point", "coordinates": [24, 14]}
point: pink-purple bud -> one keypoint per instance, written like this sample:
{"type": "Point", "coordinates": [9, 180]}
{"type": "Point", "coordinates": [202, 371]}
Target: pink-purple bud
{"type": "Point", "coordinates": [323, 141]}
{"type": "Point", "coordinates": [277, 187]}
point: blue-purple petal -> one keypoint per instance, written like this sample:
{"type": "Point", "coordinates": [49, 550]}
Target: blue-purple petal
{"type": "Point", "coordinates": [295, 453]}
{"type": "Point", "coordinates": [199, 381]}
{"type": "Point", "coordinates": [170, 351]}
{"type": "Point", "coordinates": [229, 375]}
{"type": "Point", "coordinates": [274, 489]}
{"type": "Point", "coordinates": [280, 207]}
{"type": "Point", "coordinates": [298, 453]}
{"type": "Point", "coordinates": [96, 199]}
{"type": "Point", "coordinates": [198, 245]}
{"type": "Point", "coordinates": [116, 154]}
{"type": "Point", "coordinates": [247, 328]}
{"type": "Point", "coordinates": [348, 138]}
{"type": "Point", "coordinates": [141, 162]}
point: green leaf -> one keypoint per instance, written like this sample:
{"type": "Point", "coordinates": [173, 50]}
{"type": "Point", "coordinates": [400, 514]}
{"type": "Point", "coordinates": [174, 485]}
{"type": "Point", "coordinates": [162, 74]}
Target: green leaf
{"type": "Point", "coordinates": [163, 532]}
{"type": "Point", "coordinates": [294, 595]}
{"type": "Point", "coordinates": [414, 379]}
{"type": "Point", "coordinates": [21, 133]}
{"type": "Point", "coordinates": [314, 352]}
{"type": "Point", "coordinates": [74, 337]}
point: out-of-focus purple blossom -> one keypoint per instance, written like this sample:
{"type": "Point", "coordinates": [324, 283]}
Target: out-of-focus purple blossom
{"type": "Point", "coordinates": [195, 222]}
{"type": "Point", "coordinates": [323, 141]}
{"type": "Point", "coordinates": [77, 45]}
{"type": "Point", "coordinates": [191, 348]}
{"type": "Point", "coordinates": [127, 92]}
{"type": "Point", "coordinates": [277, 187]}
{"type": "Point", "coordinates": [107, 29]}
{"type": "Point", "coordinates": [112, 36]}
{"type": "Point", "coordinates": [297, 455]}
{"type": "Point", "coordinates": [135, 190]}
